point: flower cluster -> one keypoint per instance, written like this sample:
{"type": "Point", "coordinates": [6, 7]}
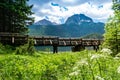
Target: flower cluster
{"type": "Point", "coordinates": [82, 62]}
{"type": "Point", "coordinates": [75, 73]}
{"type": "Point", "coordinates": [99, 78]}
{"type": "Point", "coordinates": [106, 51]}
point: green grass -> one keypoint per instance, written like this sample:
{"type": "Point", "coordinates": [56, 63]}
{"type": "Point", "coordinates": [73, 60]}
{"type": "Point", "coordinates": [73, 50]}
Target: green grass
{"type": "Point", "coordinates": [85, 65]}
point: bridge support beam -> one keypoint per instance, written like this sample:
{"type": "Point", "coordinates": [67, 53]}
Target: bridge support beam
{"type": "Point", "coordinates": [96, 48]}
{"type": "Point", "coordinates": [13, 40]}
{"type": "Point", "coordinates": [55, 49]}
{"type": "Point", "coordinates": [78, 48]}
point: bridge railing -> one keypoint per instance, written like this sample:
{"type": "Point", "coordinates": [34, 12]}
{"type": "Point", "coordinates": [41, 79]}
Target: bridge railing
{"type": "Point", "coordinates": [90, 42]}
{"type": "Point", "coordinates": [13, 38]}
{"type": "Point", "coordinates": [46, 40]}
{"type": "Point", "coordinates": [69, 41]}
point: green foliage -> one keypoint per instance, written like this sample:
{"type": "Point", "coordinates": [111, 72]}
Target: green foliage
{"type": "Point", "coordinates": [65, 66]}
{"type": "Point", "coordinates": [111, 35]}
{"type": "Point", "coordinates": [40, 67]}
{"type": "Point", "coordinates": [116, 5]}
{"type": "Point", "coordinates": [2, 49]}
{"type": "Point", "coordinates": [14, 16]}
{"type": "Point", "coordinates": [26, 48]}
{"type": "Point", "coordinates": [112, 30]}
{"type": "Point", "coordinates": [6, 49]}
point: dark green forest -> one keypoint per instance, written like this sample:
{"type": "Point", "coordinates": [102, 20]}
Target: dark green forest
{"type": "Point", "coordinates": [14, 16]}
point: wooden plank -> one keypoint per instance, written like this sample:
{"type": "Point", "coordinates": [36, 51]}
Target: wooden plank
{"type": "Point", "coordinates": [48, 40]}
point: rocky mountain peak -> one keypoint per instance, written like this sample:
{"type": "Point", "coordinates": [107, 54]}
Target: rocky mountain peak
{"type": "Point", "coordinates": [78, 19]}
{"type": "Point", "coordinates": [44, 22]}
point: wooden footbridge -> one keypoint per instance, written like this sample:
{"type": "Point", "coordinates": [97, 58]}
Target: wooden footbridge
{"type": "Point", "coordinates": [76, 43]}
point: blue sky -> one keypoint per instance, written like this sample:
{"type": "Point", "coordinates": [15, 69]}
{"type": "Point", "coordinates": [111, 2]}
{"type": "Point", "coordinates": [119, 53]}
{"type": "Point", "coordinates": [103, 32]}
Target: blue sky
{"type": "Point", "coordinates": [59, 10]}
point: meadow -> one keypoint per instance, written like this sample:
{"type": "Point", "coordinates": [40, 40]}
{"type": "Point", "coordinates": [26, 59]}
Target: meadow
{"type": "Point", "coordinates": [84, 65]}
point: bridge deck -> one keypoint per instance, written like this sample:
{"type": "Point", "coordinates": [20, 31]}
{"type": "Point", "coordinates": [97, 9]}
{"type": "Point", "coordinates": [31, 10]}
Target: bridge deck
{"type": "Point", "coordinates": [17, 39]}
{"type": "Point", "coordinates": [48, 41]}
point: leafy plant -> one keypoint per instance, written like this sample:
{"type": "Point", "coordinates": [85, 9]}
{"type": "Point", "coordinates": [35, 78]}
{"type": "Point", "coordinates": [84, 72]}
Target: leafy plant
{"type": "Point", "coordinates": [112, 30]}
{"type": "Point", "coordinates": [6, 49]}
{"type": "Point", "coordinates": [26, 48]}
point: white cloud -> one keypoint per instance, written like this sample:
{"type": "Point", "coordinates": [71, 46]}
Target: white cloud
{"type": "Point", "coordinates": [37, 18]}
{"type": "Point", "coordinates": [69, 1]}
{"type": "Point", "coordinates": [94, 11]}
{"type": "Point", "coordinates": [101, 14]}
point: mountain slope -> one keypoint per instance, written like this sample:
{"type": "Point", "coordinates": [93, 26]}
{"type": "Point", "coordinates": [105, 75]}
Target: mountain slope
{"type": "Point", "coordinates": [67, 30]}
{"type": "Point", "coordinates": [76, 26]}
{"type": "Point", "coordinates": [78, 19]}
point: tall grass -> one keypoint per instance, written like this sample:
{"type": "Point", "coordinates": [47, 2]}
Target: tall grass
{"type": "Point", "coordinates": [85, 65]}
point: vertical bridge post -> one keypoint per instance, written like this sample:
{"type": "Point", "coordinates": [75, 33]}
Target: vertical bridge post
{"type": "Point", "coordinates": [55, 49]}
{"type": "Point", "coordinates": [13, 39]}
{"type": "Point", "coordinates": [96, 45]}
{"type": "Point", "coordinates": [55, 45]}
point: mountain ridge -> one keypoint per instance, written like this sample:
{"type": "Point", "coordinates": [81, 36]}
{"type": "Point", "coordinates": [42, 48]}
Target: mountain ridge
{"type": "Point", "coordinates": [44, 22]}
{"type": "Point", "coordinates": [78, 19]}
{"type": "Point", "coordinates": [77, 25]}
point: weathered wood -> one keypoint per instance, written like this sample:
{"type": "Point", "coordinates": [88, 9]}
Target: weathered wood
{"type": "Point", "coordinates": [13, 38]}
{"type": "Point", "coordinates": [78, 43]}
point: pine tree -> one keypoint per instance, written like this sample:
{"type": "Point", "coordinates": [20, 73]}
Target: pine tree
{"type": "Point", "coordinates": [14, 16]}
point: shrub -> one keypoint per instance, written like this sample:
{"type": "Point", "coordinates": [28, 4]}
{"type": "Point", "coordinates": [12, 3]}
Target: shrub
{"type": "Point", "coordinates": [26, 48]}
{"type": "Point", "coordinates": [4, 49]}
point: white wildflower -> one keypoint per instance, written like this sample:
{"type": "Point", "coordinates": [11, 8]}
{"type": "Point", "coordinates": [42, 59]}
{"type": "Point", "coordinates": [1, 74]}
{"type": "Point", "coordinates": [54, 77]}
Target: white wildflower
{"type": "Point", "coordinates": [106, 51]}
{"type": "Point", "coordinates": [118, 55]}
{"type": "Point", "coordinates": [99, 78]}
{"type": "Point", "coordinates": [75, 68]}
{"type": "Point", "coordinates": [95, 56]}
{"type": "Point", "coordinates": [118, 69]}
{"type": "Point", "coordinates": [116, 58]}
{"type": "Point", "coordinates": [82, 62]}
{"type": "Point", "coordinates": [75, 73]}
